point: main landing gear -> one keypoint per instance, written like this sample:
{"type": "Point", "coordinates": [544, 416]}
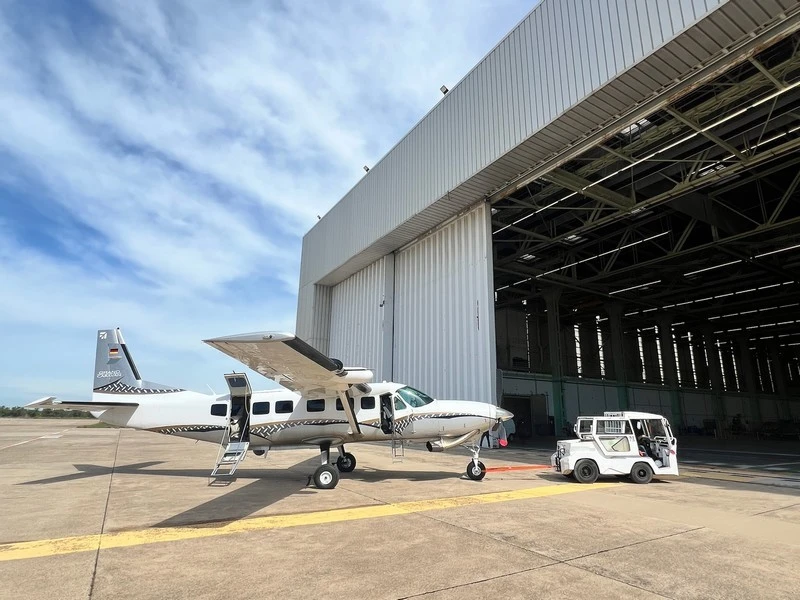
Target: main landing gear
{"type": "Point", "coordinates": [476, 470]}
{"type": "Point", "coordinates": [327, 476]}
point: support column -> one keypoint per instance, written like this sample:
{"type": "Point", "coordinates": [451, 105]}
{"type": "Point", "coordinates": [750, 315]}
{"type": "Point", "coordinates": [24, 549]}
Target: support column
{"type": "Point", "coordinates": [747, 376]}
{"type": "Point", "coordinates": [551, 297]}
{"type": "Point", "coordinates": [617, 354]}
{"type": "Point", "coordinates": [387, 305]}
{"type": "Point", "coordinates": [781, 385]}
{"type": "Point", "coordinates": [715, 373]}
{"type": "Point", "coordinates": [670, 368]}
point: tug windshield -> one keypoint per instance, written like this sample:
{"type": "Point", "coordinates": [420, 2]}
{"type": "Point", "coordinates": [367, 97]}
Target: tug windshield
{"type": "Point", "coordinates": [414, 398]}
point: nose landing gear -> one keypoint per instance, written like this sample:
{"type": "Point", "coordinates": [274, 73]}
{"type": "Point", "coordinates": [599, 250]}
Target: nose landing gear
{"type": "Point", "coordinates": [476, 470]}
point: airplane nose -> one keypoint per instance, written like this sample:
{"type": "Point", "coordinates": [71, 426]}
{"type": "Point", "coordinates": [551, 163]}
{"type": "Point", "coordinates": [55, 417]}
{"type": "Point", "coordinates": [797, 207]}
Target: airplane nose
{"type": "Point", "coordinates": [504, 415]}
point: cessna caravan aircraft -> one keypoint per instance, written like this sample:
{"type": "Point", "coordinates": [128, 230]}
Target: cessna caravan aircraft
{"type": "Point", "coordinates": [324, 404]}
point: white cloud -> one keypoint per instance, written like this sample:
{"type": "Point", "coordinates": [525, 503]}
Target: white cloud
{"type": "Point", "coordinates": [162, 160]}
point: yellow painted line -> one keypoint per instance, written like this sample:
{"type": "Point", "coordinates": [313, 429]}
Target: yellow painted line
{"type": "Point", "coordinates": [123, 539]}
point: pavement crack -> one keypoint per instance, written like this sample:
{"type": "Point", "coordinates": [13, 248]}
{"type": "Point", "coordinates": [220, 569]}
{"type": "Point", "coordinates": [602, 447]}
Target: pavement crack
{"type": "Point", "coordinates": [469, 583]}
{"type": "Point", "coordinates": [105, 515]}
{"type": "Point", "coordinates": [776, 509]}
{"type": "Point", "coordinates": [632, 544]}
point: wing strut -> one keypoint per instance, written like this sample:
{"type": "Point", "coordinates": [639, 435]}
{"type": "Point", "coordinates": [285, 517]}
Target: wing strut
{"type": "Point", "coordinates": [345, 398]}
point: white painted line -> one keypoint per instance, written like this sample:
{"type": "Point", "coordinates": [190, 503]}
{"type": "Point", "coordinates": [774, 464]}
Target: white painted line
{"type": "Point", "coordinates": [41, 437]}
{"type": "Point", "coordinates": [795, 462]}
{"type": "Point", "coordinates": [741, 452]}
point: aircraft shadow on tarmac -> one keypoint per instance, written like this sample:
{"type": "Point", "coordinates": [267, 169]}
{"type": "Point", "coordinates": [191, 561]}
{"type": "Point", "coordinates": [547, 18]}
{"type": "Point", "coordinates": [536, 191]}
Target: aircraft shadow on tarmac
{"type": "Point", "coordinates": [267, 486]}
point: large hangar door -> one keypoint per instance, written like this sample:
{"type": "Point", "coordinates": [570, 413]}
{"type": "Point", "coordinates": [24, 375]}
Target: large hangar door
{"type": "Point", "coordinates": [444, 311]}
{"type": "Point", "coordinates": [361, 319]}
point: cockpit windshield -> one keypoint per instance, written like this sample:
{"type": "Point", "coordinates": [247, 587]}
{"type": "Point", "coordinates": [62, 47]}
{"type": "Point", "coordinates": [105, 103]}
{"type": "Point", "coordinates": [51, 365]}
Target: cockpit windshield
{"type": "Point", "coordinates": [413, 397]}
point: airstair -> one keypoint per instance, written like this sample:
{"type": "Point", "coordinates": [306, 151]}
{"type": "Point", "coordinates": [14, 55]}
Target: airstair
{"type": "Point", "coordinates": [233, 455]}
{"type": "Point", "coordinates": [236, 439]}
{"type": "Point", "coordinates": [398, 447]}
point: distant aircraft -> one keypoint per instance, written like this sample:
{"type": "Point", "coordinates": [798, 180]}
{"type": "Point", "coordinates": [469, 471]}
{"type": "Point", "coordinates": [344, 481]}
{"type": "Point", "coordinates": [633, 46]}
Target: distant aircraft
{"type": "Point", "coordinates": [325, 405]}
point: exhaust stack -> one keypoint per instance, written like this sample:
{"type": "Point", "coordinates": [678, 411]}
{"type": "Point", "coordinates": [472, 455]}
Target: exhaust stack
{"type": "Point", "coordinates": [441, 444]}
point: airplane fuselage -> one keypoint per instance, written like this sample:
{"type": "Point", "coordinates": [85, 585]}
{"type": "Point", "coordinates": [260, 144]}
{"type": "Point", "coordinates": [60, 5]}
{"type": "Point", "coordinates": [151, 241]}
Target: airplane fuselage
{"type": "Point", "coordinates": [282, 418]}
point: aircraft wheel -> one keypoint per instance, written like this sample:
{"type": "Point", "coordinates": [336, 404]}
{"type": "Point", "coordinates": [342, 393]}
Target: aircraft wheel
{"type": "Point", "coordinates": [641, 473]}
{"type": "Point", "coordinates": [326, 477]}
{"type": "Point", "coordinates": [476, 472]}
{"type": "Point", "coordinates": [346, 463]}
{"type": "Point", "coordinates": [586, 471]}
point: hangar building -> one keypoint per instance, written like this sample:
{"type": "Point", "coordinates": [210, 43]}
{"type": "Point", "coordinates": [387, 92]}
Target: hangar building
{"type": "Point", "coordinates": [603, 214]}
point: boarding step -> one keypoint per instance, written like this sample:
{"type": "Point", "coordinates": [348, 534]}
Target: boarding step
{"type": "Point", "coordinates": [398, 450]}
{"type": "Point", "coordinates": [233, 455]}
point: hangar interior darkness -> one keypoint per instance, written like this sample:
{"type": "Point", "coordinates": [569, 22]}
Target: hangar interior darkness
{"type": "Point", "coordinates": [659, 270]}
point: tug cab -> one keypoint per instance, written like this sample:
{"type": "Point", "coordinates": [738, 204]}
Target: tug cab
{"type": "Point", "coordinates": [634, 444]}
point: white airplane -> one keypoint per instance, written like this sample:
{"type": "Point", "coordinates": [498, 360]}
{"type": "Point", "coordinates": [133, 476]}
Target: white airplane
{"type": "Point", "coordinates": [325, 405]}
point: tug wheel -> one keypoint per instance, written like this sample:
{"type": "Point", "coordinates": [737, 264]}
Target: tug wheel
{"type": "Point", "coordinates": [476, 472]}
{"type": "Point", "coordinates": [641, 473]}
{"type": "Point", "coordinates": [586, 471]}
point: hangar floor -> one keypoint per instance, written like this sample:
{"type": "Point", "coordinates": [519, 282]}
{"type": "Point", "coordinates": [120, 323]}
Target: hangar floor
{"type": "Point", "coordinates": [389, 530]}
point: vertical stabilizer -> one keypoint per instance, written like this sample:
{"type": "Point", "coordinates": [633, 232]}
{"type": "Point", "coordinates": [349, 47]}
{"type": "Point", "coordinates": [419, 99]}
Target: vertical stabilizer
{"type": "Point", "coordinates": [114, 369]}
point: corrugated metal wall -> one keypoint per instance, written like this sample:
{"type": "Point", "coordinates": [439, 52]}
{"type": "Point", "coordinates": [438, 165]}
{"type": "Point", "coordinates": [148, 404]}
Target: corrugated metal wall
{"type": "Point", "coordinates": [444, 311]}
{"type": "Point", "coordinates": [358, 322]}
{"type": "Point", "coordinates": [314, 315]}
{"type": "Point", "coordinates": [559, 54]}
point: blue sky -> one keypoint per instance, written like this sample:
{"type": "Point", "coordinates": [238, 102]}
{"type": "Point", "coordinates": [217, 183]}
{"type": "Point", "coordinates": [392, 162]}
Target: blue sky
{"type": "Point", "coordinates": [161, 161]}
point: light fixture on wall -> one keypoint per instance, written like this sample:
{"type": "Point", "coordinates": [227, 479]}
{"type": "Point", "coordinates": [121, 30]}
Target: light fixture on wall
{"type": "Point", "coordinates": [444, 89]}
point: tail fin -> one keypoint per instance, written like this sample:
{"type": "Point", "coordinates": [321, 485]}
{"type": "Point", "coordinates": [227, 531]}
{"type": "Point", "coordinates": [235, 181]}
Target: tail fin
{"type": "Point", "coordinates": [114, 369]}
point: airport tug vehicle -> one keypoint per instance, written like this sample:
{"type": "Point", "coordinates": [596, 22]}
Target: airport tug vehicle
{"type": "Point", "coordinates": [634, 444]}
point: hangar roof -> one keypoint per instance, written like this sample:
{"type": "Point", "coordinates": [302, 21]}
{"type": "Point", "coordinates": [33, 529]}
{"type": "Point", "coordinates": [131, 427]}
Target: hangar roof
{"type": "Point", "coordinates": [562, 81]}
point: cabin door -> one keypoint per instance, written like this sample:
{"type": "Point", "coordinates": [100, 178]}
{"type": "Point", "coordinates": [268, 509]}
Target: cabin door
{"type": "Point", "coordinates": [241, 394]}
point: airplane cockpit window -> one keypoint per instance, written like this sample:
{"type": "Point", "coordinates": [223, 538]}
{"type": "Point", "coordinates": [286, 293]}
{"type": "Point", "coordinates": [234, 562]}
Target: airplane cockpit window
{"type": "Point", "coordinates": [399, 404]}
{"type": "Point", "coordinates": [414, 398]}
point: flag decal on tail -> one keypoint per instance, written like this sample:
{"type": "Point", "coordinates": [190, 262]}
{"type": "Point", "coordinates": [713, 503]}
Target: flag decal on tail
{"type": "Point", "coordinates": [113, 353]}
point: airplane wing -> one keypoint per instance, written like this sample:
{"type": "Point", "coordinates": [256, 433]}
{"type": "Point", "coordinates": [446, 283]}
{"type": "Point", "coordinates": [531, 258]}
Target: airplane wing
{"type": "Point", "coordinates": [294, 364]}
{"type": "Point", "coordinates": [52, 402]}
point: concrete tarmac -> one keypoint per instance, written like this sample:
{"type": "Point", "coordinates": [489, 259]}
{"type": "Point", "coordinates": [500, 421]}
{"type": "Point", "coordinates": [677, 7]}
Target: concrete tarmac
{"type": "Point", "coordinates": [110, 513]}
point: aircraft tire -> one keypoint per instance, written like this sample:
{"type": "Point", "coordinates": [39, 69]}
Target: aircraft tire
{"type": "Point", "coordinates": [476, 474]}
{"type": "Point", "coordinates": [326, 477]}
{"type": "Point", "coordinates": [346, 463]}
{"type": "Point", "coordinates": [641, 473]}
{"type": "Point", "coordinates": [586, 471]}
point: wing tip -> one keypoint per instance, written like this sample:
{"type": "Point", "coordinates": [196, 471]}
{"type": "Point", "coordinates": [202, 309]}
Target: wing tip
{"type": "Point", "coordinates": [257, 336]}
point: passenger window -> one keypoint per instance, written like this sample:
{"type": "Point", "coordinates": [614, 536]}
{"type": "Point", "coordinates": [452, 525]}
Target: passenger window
{"type": "Point", "coordinates": [260, 408]}
{"type": "Point", "coordinates": [219, 410]}
{"type": "Point", "coordinates": [284, 406]}
{"type": "Point", "coordinates": [339, 403]}
{"type": "Point", "coordinates": [315, 405]}
{"type": "Point", "coordinates": [368, 402]}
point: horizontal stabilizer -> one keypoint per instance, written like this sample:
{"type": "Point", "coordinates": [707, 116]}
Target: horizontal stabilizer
{"type": "Point", "coordinates": [52, 402]}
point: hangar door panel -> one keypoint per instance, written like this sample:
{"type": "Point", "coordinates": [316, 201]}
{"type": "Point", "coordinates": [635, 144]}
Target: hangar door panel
{"type": "Point", "coordinates": [357, 319]}
{"type": "Point", "coordinates": [444, 312]}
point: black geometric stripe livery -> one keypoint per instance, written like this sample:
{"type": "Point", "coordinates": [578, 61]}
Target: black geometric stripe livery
{"type": "Point", "coordinates": [171, 430]}
{"type": "Point", "coordinates": [123, 388]}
